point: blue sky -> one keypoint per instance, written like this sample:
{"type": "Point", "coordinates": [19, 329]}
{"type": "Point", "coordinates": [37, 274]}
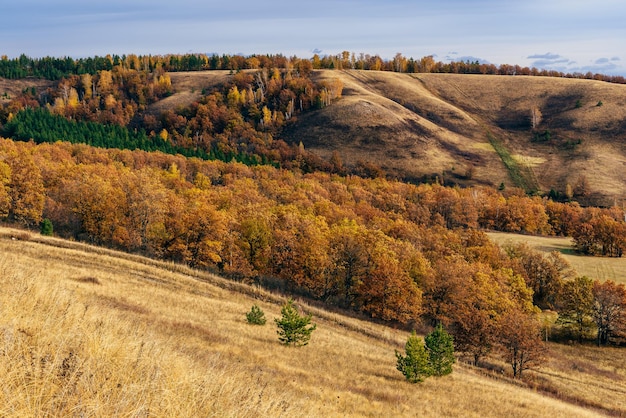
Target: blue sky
{"type": "Point", "coordinates": [565, 35]}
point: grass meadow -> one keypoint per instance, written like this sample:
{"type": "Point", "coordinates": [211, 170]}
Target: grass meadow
{"type": "Point", "coordinates": [602, 268]}
{"type": "Point", "coordinates": [86, 331]}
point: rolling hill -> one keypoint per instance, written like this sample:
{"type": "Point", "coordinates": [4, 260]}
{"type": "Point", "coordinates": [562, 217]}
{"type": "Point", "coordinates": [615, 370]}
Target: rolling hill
{"type": "Point", "coordinates": [443, 124]}
{"type": "Point", "coordinates": [91, 331]}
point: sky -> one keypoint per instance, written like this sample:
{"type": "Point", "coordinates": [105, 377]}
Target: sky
{"type": "Point", "coordinates": [564, 35]}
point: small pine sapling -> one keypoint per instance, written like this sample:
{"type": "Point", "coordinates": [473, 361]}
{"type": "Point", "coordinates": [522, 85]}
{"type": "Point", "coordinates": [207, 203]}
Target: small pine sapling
{"type": "Point", "coordinates": [256, 316]}
{"type": "Point", "coordinates": [415, 364]}
{"type": "Point", "coordinates": [46, 227]}
{"type": "Point", "coordinates": [440, 346]}
{"type": "Point", "coordinates": [294, 329]}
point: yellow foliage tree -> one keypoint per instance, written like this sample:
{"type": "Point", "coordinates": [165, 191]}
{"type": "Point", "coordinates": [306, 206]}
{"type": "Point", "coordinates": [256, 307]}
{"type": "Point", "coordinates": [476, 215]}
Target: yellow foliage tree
{"type": "Point", "coordinates": [5, 198]}
{"type": "Point", "coordinates": [87, 85]}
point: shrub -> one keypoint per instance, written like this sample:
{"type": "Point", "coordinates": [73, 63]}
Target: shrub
{"type": "Point", "coordinates": [294, 329]}
{"type": "Point", "coordinates": [415, 366]}
{"type": "Point", "coordinates": [256, 316]}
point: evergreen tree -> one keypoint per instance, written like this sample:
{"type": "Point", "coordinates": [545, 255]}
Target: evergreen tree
{"type": "Point", "coordinates": [256, 316]}
{"type": "Point", "coordinates": [294, 329]}
{"type": "Point", "coordinates": [415, 366]}
{"type": "Point", "coordinates": [440, 346]}
{"type": "Point", "coordinates": [46, 227]}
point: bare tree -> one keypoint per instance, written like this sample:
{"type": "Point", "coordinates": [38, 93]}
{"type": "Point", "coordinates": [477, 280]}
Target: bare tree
{"type": "Point", "coordinates": [535, 117]}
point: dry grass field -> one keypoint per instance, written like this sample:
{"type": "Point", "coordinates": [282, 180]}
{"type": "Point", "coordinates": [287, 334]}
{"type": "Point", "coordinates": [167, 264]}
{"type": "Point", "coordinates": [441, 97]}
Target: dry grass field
{"type": "Point", "coordinates": [427, 124]}
{"type": "Point", "coordinates": [603, 268]}
{"type": "Point", "coordinates": [91, 332]}
{"type": "Point", "coordinates": [10, 89]}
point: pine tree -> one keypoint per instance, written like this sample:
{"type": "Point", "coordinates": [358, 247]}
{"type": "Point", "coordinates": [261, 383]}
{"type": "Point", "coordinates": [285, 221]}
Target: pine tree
{"type": "Point", "coordinates": [415, 366]}
{"type": "Point", "coordinates": [256, 316]}
{"type": "Point", "coordinates": [440, 346]}
{"type": "Point", "coordinates": [46, 227]}
{"type": "Point", "coordinates": [294, 329]}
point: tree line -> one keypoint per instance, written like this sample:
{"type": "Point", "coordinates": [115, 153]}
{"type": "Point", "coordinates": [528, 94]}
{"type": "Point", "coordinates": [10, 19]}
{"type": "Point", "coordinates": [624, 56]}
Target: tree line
{"type": "Point", "coordinates": [52, 68]}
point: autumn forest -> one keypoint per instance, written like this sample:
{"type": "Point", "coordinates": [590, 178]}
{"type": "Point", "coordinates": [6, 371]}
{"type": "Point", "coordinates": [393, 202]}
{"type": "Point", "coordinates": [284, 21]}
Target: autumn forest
{"type": "Point", "coordinates": [212, 185]}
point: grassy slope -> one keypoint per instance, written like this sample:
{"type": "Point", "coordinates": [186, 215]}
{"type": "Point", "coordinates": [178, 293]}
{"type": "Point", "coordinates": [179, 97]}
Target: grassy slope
{"type": "Point", "coordinates": [10, 89]}
{"type": "Point", "coordinates": [432, 123]}
{"type": "Point", "coordinates": [603, 268]}
{"type": "Point", "coordinates": [94, 332]}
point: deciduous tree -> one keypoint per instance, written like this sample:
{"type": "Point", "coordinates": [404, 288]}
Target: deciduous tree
{"type": "Point", "coordinates": [609, 310]}
{"type": "Point", "coordinates": [5, 198]}
{"type": "Point", "coordinates": [576, 306]}
{"type": "Point", "coordinates": [26, 189]}
{"type": "Point", "coordinates": [519, 336]}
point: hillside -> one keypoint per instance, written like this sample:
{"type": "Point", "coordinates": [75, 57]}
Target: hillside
{"type": "Point", "coordinates": [434, 124]}
{"type": "Point", "coordinates": [88, 331]}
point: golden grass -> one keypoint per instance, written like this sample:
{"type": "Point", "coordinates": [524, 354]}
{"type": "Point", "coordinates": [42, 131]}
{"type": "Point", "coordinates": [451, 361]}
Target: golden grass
{"type": "Point", "coordinates": [11, 89]}
{"type": "Point", "coordinates": [603, 268]}
{"type": "Point", "coordinates": [91, 332]}
{"type": "Point", "coordinates": [416, 124]}
{"type": "Point", "coordinates": [599, 372]}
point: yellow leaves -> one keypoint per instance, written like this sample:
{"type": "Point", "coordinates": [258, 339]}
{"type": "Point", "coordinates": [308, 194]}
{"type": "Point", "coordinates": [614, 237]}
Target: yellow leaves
{"type": "Point", "coordinates": [252, 63]}
{"type": "Point", "coordinates": [110, 102]}
{"type": "Point", "coordinates": [87, 85]}
{"type": "Point", "coordinates": [210, 250]}
{"type": "Point", "coordinates": [25, 189]}
{"type": "Point", "coordinates": [234, 97]}
{"type": "Point", "coordinates": [165, 82]}
{"type": "Point", "coordinates": [266, 117]}
{"type": "Point", "coordinates": [72, 100]}
{"type": "Point", "coordinates": [520, 293]}
{"type": "Point", "coordinates": [105, 82]}
{"type": "Point", "coordinates": [202, 182]}
{"type": "Point", "coordinates": [5, 198]}
{"type": "Point", "coordinates": [58, 107]}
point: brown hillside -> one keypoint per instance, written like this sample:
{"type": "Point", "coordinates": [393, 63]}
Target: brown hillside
{"type": "Point", "coordinates": [9, 89]}
{"type": "Point", "coordinates": [427, 124]}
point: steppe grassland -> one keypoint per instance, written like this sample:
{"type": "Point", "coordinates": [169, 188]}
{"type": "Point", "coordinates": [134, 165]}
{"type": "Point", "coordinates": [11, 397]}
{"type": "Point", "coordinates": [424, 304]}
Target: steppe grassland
{"type": "Point", "coordinates": [93, 332]}
{"type": "Point", "coordinates": [602, 268]}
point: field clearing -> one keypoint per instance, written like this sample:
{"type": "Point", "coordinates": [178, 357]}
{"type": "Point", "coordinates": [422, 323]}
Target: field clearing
{"type": "Point", "coordinates": [603, 268]}
{"type": "Point", "coordinates": [89, 331]}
